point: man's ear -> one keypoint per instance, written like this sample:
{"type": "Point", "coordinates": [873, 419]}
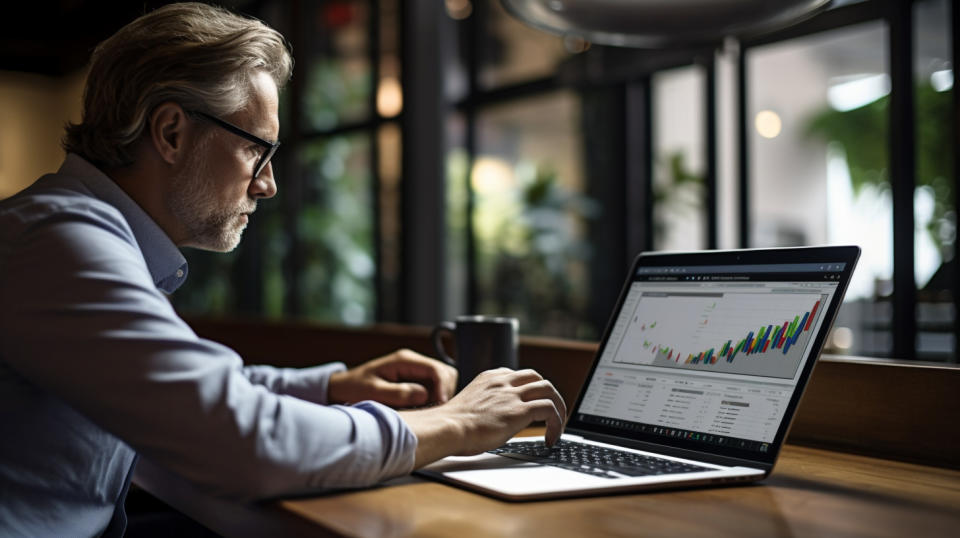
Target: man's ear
{"type": "Point", "coordinates": [168, 127]}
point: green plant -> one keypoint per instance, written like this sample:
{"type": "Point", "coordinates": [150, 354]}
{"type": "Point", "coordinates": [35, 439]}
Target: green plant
{"type": "Point", "coordinates": [677, 189]}
{"type": "Point", "coordinates": [863, 134]}
{"type": "Point", "coordinates": [532, 264]}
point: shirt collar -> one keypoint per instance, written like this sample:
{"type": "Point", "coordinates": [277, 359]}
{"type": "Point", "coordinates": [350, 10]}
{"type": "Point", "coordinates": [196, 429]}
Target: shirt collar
{"type": "Point", "coordinates": [166, 263]}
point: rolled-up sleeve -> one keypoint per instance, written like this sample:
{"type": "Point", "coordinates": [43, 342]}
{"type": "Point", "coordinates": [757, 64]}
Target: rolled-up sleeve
{"type": "Point", "coordinates": [90, 327]}
{"type": "Point", "coordinates": [305, 383]}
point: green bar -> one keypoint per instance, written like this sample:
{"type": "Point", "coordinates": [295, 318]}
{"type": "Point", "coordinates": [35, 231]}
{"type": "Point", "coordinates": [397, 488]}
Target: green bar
{"type": "Point", "coordinates": [792, 327]}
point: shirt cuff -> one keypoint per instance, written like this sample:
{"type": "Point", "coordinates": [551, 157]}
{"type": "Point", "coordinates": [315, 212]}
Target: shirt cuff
{"type": "Point", "coordinates": [396, 440]}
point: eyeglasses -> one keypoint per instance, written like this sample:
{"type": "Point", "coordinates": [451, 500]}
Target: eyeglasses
{"type": "Point", "coordinates": [269, 147]}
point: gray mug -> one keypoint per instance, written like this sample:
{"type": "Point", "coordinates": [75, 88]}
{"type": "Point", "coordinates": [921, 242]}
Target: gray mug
{"type": "Point", "coordinates": [481, 342]}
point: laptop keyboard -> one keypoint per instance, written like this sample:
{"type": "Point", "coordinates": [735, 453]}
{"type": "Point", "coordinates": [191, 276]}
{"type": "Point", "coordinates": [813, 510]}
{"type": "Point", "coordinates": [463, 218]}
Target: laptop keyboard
{"type": "Point", "coordinates": [594, 460]}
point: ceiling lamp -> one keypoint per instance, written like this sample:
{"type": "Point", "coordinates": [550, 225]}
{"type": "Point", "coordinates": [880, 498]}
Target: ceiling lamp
{"type": "Point", "coordinates": [660, 23]}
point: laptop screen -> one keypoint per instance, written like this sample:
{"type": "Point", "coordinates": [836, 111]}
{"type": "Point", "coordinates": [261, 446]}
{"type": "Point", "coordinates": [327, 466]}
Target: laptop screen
{"type": "Point", "coordinates": [710, 356]}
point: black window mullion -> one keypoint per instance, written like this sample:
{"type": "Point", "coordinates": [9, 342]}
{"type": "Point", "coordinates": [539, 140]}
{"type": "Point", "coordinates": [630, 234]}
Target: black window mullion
{"type": "Point", "coordinates": [375, 190]}
{"type": "Point", "coordinates": [293, 195]}
{"type": "Point", "coordinates": [902, 170]}
{"type": "Point", "coordinates": [743, 150]}
{"type": "Point", "coordinates": [955, 132]}
{"type": "Point", "coordinates": [639, 166]}
{"type": "Point", "coordinates": [710, 148]}
{"type": "Point", "coordinates": [473, 31]}
{"type": "Point", "coordinates": [423, 245]}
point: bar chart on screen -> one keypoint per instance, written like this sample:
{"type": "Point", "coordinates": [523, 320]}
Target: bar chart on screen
{"type": "Point", "coordinates": [760, 334]}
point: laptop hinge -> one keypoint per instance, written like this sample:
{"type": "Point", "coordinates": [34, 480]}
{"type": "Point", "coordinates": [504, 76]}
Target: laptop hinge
{"type": "Point", "coordinates": [671, 451]}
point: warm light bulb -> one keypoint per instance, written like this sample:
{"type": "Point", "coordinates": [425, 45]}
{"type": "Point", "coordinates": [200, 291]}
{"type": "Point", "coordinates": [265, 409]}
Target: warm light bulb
{"type": "Point", "coordinates": [389, 97]}
{"type": "Point", "coordinates": [491, 176]}
{"type": "Point", "coordinates": [768, 123]}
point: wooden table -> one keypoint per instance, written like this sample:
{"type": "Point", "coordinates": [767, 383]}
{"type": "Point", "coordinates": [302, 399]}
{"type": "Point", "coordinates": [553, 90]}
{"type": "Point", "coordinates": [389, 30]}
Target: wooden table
{"type": "Point", "coordinates": [811, 493]}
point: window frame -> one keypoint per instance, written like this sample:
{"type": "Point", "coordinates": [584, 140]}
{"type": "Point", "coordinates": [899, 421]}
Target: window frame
{"type": "Point", "coordinates": [629, 71]}
{"type": "Point", "coordinates": [898, 16]}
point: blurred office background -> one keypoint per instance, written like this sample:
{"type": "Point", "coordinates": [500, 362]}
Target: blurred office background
{"type": "Point", "coordinates": [442, 158]}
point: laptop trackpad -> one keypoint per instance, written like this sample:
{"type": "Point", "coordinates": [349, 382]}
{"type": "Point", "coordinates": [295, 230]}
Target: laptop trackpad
{"type": "Point", "coordinates": [479, 462]}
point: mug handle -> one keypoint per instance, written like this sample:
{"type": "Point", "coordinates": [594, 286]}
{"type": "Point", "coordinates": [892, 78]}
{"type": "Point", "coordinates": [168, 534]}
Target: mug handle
{"type": "Point", "coordinates": [435, 337]}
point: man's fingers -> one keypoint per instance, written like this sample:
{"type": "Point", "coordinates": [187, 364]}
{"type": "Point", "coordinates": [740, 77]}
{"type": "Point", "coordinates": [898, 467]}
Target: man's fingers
{"type": "Point", "coordinates": [544, 403]}
{"type": "Point", "coordinates": [523, 377]}
{"type": "Point", "coordinates": [545, 410]}
{"type": "Point", "coordinates": [402, 394]}
{"type": "Point", "coordinates": [408, 365]}
{"type": "Point", "coordinates": [413, 370]}
{"type": "Point", "coordinates": [543, 389]}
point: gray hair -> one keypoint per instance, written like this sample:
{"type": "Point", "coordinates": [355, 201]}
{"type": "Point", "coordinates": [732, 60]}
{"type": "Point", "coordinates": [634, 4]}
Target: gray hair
{"type": "Point", "coordinates": [199, 56]}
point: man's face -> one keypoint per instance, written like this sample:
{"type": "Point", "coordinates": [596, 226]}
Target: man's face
{"type": "Point", "coordinates": [215, 194]}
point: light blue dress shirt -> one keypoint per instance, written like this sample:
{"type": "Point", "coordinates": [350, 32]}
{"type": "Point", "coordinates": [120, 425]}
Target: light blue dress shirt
{"type": "Point", "coordinates": [96, 366]}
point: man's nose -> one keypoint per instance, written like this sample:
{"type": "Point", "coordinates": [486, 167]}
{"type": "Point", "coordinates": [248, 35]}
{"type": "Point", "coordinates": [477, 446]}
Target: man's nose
{"type": "Point", "coordinates": [264, 186]}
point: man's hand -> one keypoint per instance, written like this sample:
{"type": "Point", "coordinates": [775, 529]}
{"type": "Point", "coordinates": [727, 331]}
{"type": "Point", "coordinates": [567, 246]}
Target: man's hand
{"type": "Point", "coordinates": [485, 414]}
{"type": "Point", "coordinates": [403, 378]}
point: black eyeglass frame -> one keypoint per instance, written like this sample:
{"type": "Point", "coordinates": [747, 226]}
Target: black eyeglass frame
{"type": "Point", "coordinates": [270, 147]}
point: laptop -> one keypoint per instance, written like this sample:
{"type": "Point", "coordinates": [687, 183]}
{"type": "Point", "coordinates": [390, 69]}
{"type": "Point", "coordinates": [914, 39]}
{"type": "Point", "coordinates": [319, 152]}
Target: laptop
{"type": "Point", "coordinates": [696, 380]}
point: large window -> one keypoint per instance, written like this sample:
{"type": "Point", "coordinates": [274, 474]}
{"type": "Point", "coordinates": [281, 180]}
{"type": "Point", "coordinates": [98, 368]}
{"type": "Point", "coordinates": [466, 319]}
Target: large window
{"type": "Point", "coordinates": [327, 247]}
{"type": "Point", "coordinates": [531, 231]}
{"type": "Point", "coordinates": [335, 230]}
{"type": "Point", "coordinates": [817, 113]}
{"type": "Point", "coordinates": [560, 160]}
{"type": "Point", "coordinates": [679, 189]}
{"type": "Point", "coordinates": [530, 214]}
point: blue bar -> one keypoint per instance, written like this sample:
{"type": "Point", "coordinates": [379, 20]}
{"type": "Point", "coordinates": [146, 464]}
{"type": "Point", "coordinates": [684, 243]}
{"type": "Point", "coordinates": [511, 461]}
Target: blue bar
{"type": "Point", "coordinates": [803, 323]}
{"type": "Point", "coordinates": [766, 337]}
{"type": "Point", "coordinates": [776, 335]}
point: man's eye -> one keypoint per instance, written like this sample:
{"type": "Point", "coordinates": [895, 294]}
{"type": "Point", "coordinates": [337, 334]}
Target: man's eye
{"type": "Point", "coordinates": [254, 150]}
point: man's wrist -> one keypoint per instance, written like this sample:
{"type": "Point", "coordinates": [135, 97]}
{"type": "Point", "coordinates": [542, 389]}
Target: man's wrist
{"type": "Point", "coordinates": [438, 434]}
{"type": "Point", "coordinates": [334, 384]}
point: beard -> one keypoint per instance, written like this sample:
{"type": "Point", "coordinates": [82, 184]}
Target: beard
{"type": "Point", "coordinates": [194, 203]}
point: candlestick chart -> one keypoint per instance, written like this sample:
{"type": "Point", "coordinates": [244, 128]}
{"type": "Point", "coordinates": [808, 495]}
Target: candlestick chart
{"type": "Point", "coordinates": [762, 334]}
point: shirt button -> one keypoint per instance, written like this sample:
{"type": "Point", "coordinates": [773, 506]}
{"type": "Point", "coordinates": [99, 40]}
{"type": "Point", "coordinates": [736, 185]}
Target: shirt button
{"type": "Point", "coordinates": [179, 273]}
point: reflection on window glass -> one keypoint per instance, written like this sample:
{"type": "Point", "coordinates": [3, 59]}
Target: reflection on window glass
{"type": "Point", "coordinates": [389, 147]}
{"type": "Point", "coordinates": [819, 164]}
{"type": "Point", "coordinates": [679, 218]}
{"type": "Point", "coordinates": [335, 230]}
{"type": "Point", "coordinates": [934, 212]}
{"type": "Point", "coordinates": [512, 52]}
{"type": "Point", "coordinates": [338, 74]}
{"type": "Point", "coordinates": [274, 248]}
{"type": "Point", "coordinates": [457, 165]}
{"type": "Point", "coordinates": [530, 215]}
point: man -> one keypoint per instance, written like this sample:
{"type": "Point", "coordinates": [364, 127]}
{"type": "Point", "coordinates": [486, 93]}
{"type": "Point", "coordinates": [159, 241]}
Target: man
{"type": "Point", "coordinates": [179, 125]}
